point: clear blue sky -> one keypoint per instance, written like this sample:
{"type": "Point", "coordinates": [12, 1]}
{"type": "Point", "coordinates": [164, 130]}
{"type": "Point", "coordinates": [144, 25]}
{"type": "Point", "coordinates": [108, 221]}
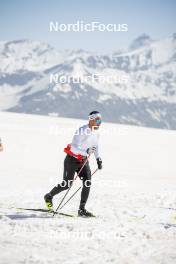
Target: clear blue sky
{"type": "Point", "coordinates": [20, 19]}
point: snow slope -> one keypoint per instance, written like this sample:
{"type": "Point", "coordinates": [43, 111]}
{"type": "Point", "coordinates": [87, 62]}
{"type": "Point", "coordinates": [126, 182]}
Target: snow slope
{"type": "Point", "coordinates": [130, 196]}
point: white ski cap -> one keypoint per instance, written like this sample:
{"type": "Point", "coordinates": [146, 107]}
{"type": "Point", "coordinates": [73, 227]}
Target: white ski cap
{"type": "Point", "coordinates": [93, 115]}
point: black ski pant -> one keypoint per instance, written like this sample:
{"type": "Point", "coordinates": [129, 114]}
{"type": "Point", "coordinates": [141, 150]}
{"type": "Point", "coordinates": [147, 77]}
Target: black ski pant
{"type": "Point", "coordinates": [71, 166]}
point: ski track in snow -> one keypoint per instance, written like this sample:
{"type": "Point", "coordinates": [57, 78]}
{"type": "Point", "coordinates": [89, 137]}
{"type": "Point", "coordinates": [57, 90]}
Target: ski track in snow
{"type": "Point", "coordinates": [135, 204]}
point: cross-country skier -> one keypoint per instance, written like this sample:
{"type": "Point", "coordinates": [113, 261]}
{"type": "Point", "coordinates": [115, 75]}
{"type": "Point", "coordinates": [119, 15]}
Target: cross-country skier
{"type": "Point", "coordinates": [1, 146]}
{"type": "Point", "coordinates": [84, 143]}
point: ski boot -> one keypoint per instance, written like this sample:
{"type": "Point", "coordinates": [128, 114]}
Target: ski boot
{"type": "Point", "coordinates": [48, 201]}
{"type": "Point", "coordinates": [84, 213]}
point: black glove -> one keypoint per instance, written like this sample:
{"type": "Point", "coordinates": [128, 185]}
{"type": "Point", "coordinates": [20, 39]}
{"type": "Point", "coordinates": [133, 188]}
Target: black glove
{"type": "Point", "coordinates": [99, 163]}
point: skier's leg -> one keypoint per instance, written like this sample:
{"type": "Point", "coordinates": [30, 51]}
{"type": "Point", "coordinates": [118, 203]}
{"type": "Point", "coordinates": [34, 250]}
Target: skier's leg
{"type": "Point", "coordinates": [70, 165]}
{"type": "Point", "coordinates": [85, 175]}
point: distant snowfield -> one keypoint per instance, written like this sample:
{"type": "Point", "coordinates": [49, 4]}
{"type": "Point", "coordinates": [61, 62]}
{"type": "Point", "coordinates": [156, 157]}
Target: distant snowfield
{"type": "Point", "coordinates": [134, 196]}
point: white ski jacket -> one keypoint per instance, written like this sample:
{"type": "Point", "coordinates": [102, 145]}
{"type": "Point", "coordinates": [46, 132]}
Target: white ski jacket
{"type": "Point", "coordinates": [83, 139]}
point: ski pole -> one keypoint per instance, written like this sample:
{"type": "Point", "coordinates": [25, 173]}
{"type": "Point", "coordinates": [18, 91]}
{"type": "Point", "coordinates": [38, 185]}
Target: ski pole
{"type": "Point", "coordinates": [70, 198]}
{"type": "Point", "coordinates": [71, 184]}
{"type": "Point", "coordinates": [75, 192]}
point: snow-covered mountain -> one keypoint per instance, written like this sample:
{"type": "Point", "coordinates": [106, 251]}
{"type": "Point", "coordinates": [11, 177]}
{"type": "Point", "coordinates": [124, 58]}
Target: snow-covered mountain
{"type": "Point", "coordinates": [144, 92]}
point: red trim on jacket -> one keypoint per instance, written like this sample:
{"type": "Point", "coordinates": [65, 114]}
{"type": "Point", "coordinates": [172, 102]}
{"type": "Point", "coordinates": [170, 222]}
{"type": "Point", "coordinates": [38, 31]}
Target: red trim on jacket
{"type": "Point", "coordinates": [69, 152]}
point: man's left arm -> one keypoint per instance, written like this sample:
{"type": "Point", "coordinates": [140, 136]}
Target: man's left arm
{"type": "Point", "coordinates": [99, 160]}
